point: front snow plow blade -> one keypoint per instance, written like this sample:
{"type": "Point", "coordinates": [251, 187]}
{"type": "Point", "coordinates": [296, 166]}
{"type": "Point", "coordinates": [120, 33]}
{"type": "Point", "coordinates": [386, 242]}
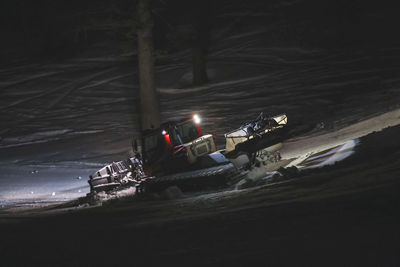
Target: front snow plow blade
{"type": "Point", "coordinates": [256, 135]}
{"type": "Point", "coordinates": [116, 174]}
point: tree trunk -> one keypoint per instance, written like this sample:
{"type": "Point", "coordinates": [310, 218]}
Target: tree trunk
{"type": "Point", "coordinates": [149, 110]}
{"type": "Point", "coordinates": [199, 65]}
{"type": "Point", "coordinates": [199, 53]}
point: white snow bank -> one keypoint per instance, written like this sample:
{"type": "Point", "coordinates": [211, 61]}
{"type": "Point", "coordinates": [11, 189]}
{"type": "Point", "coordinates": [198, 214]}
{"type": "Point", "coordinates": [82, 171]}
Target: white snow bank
{"type": "Point", "coordinates": [299, 147]}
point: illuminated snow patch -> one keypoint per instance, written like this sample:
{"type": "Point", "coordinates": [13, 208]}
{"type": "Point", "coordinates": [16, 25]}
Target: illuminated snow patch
{"type": "Point", "coordinates": [329, 156]}
{"type": "Point", "coordinates": [101, 197]}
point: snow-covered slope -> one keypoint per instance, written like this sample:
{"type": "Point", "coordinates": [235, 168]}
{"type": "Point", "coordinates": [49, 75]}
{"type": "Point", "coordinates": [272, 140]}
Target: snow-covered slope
{"type": "Point", "coordinates": [62, 120]}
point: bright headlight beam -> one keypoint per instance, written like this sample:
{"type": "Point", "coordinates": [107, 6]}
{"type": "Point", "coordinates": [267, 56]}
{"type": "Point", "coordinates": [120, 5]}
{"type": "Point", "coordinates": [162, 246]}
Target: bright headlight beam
{"type": "Point", "coordinates": [196, 119]}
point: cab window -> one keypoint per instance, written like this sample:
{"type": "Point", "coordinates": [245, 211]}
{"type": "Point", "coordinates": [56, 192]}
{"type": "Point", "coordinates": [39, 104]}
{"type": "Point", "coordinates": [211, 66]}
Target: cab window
{"type": "Point", "coordinates": [186, 132]}
{"type": "Point", "coordinates": [153, 147]}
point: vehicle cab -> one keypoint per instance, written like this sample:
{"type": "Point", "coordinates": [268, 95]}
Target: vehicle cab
{"type": "Point", "coordinates": [175, 146]}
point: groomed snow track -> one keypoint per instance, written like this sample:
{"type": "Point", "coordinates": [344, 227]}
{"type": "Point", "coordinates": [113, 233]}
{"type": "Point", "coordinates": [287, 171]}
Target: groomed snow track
{"type": "Point", "coordinates": [213, 177]}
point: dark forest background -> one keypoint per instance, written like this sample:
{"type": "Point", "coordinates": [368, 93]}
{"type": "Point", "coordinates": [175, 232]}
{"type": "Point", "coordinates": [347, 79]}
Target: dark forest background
{"type": "Point", "coordinates": [61, 28]}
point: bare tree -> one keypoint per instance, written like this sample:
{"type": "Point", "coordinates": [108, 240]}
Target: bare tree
{"type": "Point", "coordinates": [200, 18]}
{"type": "Point", "coordinates": [199, 53]}
{"type": "Point", "coordinates": [149, 110]}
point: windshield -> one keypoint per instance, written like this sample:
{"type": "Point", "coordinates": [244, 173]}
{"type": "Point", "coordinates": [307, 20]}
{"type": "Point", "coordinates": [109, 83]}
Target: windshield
{"type": "Point", "coordinates": [184, 133]}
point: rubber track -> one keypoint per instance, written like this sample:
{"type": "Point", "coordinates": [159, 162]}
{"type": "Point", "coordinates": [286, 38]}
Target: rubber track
{"type": "Point", "coordinates": [213, 177]}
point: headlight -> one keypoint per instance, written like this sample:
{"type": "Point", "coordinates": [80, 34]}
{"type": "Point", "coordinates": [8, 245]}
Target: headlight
{"type": "Point", "coordinates": [196, 119]}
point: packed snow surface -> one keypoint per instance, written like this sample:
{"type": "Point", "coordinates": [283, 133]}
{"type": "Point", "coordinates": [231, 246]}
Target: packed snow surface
{"type": "Point", "coordinates": [62, 121]}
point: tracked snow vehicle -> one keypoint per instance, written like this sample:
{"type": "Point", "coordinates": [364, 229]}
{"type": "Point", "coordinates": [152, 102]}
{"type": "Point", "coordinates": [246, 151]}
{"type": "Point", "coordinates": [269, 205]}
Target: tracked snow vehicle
{"type": "Point", "coordinates": [178, 153]}
{"type": "Point", "coordinates": [175, 147]}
